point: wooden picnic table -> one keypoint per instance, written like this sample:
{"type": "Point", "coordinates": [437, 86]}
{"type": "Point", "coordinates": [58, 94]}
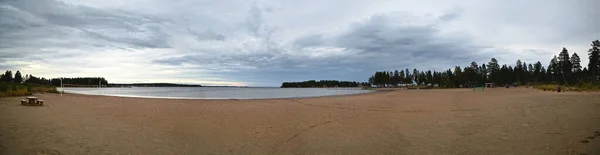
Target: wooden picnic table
{"type": "Point", "coordinates": [32, 99]}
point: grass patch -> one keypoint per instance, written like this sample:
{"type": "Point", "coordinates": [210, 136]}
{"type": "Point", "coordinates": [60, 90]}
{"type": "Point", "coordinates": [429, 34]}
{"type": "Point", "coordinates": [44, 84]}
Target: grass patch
{"type": "Point", "coordinates": [14, 89]}
{"type": "Point", "coordinates": [581, 86]}
{"type": "Point", "coordinates": [420, 87]}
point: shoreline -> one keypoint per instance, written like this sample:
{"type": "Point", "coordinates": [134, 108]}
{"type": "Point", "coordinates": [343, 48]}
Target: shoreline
{"type": "Point", "coordinates": [179, 98]}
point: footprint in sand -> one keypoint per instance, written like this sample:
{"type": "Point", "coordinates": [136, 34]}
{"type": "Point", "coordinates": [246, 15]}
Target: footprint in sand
{"type": "Point", "coordinates": [44, 152]}
{"type": "Point", "coordinates": [591, 137]}
{"type": "Point", "coordinates": [596, 134]}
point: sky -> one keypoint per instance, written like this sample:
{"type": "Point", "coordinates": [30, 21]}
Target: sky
{"type": "Point", "coordinates": [266, 42]}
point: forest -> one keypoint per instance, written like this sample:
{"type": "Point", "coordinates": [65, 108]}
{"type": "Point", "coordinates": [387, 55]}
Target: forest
{"type": "Point", "coordinates": [19, 85]}
{"type": "Point", "coordinates": [321, 83]}
{"type": "Point", "coordinates": [18, 78]}
{"type": "Point", "coordinates": [563, 69]}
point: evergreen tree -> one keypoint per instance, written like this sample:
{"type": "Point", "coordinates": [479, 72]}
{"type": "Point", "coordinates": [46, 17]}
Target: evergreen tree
{"type": "Point", "coordinates": [565, 65]}
{"type": "Point", "coordinates": [553, 69]}
{"type": "Point", "coordinates": [543, 75]}
{"type": "Point", "coordinates": [473, 73]}
{"type": "Point", "coordinates": [408, 77]}
{"type": "Point", "coordinates": [396, 78]}
{"type": "Point", "coordinates": [18, 77]}
{"type": "Point", "coordinates": [449, 79]}
{"type": "Point", "coordinates": [402, 77]}
{"type": "Point", "coordinates": [577, 73]}
{"type": "Point", "coordinates": [8, 77]}
{"type": "Point", "coordinates": [504, 75]}
{"type": "Point", "coordinates": [422, 78]}
{"type": "Point", "coordinates": [525, 74]}
{"type": "Point", "coordinates": [484, 73]}
{"type": "Point", "coordinates": [576, 63]}
{"type": "Point", "coordinates": [537, 72]}
{"type": "Point", "coordinates": [429, 76]}
{"type": "Point", "coordinates": [458, 77]}
{"type": "Point", "coordinates": [532, 77]}
{"type": "Point", "coordinates": [594, 57]}
{"type": "Point", "coordinates": [518, 70]}
{"type": "Point", "coordinates": [563, 69]}
{"type": "Point", "coordinates": [416, 76]}
{"type": "Point", "coordinates": [493, 70]}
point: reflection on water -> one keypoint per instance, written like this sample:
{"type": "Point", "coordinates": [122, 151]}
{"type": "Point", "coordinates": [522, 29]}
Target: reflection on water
{"type": "Point", "coordinates": [216, 92]}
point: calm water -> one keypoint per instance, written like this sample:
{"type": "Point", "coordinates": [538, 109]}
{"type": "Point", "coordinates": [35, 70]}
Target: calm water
{"type": "Point", "coordinates": [215, 92]}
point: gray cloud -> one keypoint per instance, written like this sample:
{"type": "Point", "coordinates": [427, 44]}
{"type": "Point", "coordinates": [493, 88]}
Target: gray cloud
{"type": "Point", "coordinates": [267, 41]}
{"type": "Point", "coordinates": [207, 35]}
{"type": "Point", "coordinates": [375, 44]}
{"type": "Point", "coordinates": [58, 20]}
{"type": "Point", "coordinates": [381, 39]}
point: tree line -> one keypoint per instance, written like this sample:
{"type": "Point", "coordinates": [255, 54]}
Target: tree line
{"type": "Point", "coordinates": [18, 78]}
{"type": "Point", "coordinates": [321, 83]}
{"type": "Point", "coordinates": [80, 81]}
{"type": "Point", "coordinates": [562, 69]}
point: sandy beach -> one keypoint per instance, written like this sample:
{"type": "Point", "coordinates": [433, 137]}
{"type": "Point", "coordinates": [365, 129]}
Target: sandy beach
{"type": "Point", "coordinates": [452, 121]}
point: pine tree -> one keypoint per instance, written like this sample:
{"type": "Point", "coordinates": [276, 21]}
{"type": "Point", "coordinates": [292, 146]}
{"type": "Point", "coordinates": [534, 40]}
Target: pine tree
{"type": "Point", "coordinates": [594, 63]}
{"type": "Point", "coordinates": [429, 76]}
{"type": "Point", "coordinates": [408, 77]}
{"type": "Point", "coordinates": [8, 77]}
{"type": "Point", "coordinates": [554, 69]}
{"type": "Point", "coordinates": [518, 71]}
{"type": "Point", "coordinates": [525, 73]}
{"type": "Point", "coordinates": [402, 80]}
{"type": "Point", "coordinates": [458, 76]}
{"type": "Point", "coordinates": [422, 78]}
{"type": "Point", "coordinates": [537, 72]}
{"type": "Point", "coordinates": [565, 65]}
{"type": "Point", "coordinates": [416, 76]}
{"type": "Point", "coordinates": [484, 73]}
{"type": "Point", "coordinates": [18, 77]}
{"type": "Point", "coordinates": [543, 75]}
{"type": "Point", "coordinates": [576, 68]}
{"type": "Point", "coordinates": [473, 73]}
{"type": "Point", "coordinates": [576, 63]}
{"type": "Point", "coordinates": [396, 79]}
{"type": "Point", "coordinates": [493, 70]}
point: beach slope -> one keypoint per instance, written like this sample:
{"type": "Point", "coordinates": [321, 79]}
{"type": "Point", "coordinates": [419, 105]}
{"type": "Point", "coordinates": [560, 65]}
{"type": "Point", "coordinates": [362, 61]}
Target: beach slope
{"type": "Point", "coordinates": [453, 121]}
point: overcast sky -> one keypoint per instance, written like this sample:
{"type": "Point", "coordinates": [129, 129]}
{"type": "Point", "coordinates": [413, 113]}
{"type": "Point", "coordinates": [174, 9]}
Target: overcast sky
{"type": "Point", "coordinates": [266, 42]}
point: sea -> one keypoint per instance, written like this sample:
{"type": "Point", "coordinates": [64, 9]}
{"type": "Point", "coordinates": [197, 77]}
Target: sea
{"type": "Point", "coordinates": [214, 92]}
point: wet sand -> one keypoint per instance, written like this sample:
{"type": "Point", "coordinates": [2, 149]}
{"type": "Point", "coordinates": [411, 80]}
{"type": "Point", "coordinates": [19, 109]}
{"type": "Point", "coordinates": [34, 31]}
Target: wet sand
{"type": "Point", "coordinates": [453, 121]}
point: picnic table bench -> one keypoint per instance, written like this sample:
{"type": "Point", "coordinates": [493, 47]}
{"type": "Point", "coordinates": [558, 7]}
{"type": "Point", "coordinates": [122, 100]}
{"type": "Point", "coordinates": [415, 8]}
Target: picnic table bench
{"type": "Point", "coordinates": [32, 100]}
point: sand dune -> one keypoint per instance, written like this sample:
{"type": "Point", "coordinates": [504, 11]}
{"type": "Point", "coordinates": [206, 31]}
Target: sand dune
{"type": "Point", "coordinates": [454, 121]}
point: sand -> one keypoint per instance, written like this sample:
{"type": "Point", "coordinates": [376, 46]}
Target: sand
{"type": "Point", "coordinates": [453, 121]}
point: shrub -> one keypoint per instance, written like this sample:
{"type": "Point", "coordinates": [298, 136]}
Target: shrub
{"type": "Point", "coordinates": [53, 90]}
{"type": "Point", "coordinates": [581, 86]}
{"type": "Point", "coordinates": [16, 89]}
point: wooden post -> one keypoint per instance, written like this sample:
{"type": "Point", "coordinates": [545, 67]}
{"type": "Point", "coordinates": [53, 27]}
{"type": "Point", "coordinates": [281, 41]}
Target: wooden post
{"type": "Point", "coordinates": [61, 87]}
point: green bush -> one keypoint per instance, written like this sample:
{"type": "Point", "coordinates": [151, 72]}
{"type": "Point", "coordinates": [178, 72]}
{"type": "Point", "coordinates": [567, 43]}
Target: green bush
{"type": "Point", "coordinates": [581, 86]}
{"type": "Point", "coordinates": [15, 89]}
{"type": "Point", "coordinates": [53, 90]}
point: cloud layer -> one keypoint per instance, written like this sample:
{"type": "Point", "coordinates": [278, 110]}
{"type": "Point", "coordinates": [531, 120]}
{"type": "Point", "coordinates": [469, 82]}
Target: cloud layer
{"type": "Point", "coordinates": [263, 43]}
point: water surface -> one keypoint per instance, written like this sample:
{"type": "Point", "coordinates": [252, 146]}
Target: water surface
{"type": "Point", "coordinates": [216, 92]}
